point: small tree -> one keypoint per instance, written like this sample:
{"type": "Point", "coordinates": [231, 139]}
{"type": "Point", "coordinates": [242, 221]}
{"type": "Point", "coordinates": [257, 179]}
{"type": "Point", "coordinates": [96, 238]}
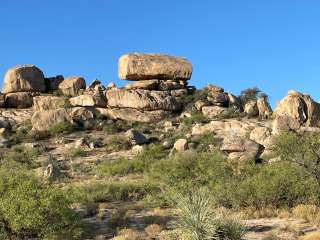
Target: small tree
{"type": "Point", "coordinates": [249, 94]}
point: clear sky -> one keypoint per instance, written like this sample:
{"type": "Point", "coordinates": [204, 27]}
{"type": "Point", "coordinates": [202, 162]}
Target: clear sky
{"type": "Point", "coordinates": [271, 44]}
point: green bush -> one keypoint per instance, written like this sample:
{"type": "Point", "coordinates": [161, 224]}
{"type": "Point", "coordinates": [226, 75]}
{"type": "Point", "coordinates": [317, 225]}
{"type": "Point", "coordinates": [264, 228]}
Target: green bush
{"type": "Point", "coordinates": [117, 143]}
{"type": "Point", "coordinates": [138, 164]}
{"type": "Point", "coordinates": [62, 127]}
{"type": "Point", "coordinates": [33, 209]}
{"type": "Point", "coordinates": [22, 155]}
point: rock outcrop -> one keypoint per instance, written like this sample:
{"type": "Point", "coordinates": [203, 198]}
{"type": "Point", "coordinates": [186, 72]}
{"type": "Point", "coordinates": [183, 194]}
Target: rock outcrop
{"type": "Point", "coordinates": [71, 86]}
{"type": "Point", "coordinates": [42, 103]}
{"type": "Point", "coordinates": [294, 111]}
{"type": "Point", "coordinates": [18, 100]}
{"type": "Point", "coordinates": [24, 78]}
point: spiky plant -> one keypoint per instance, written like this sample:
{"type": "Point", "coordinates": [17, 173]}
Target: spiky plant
{"type": "Point", "coordinates": [195, 215]}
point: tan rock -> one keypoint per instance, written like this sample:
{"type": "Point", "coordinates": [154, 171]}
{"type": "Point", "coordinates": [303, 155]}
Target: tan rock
{"type": "Point", "coordinates": [264, 108]}
{"type": "Point", "coordinates": [142, 99]}
{"type": "Point", "coordinates": [180, 145]}
{"type": "Point", "coordinates": [251, 108]}
{"type": "Point", "coordinates": [218, 98]}
{"type": "Point", "coordinates": [213, 112]}
{"type": "Point", "coordinates": [18, 100]}
{"type": "Point", "coordinates": [24, 78]}
{"type": "Point", "coordinates": [86, 100]}
{"type": "Point", "coordinates": [234, 102]}
{"type": "Point", "coordinates": [138, 66]}
{"type": "Point", "coordinates": [135, 137]}
{"type": "Point", "coordinates": [52, 83]}
{"type": "Point", "coordinates": [144, 84]}
{"type": "Point", "coordinates": [201, 103]}
{"type": "Point", "coordinates": [214, 88]}
{"type": "Point", "coordinates": [72, 86]}
{"type": "Point", "coordinates": [16, 116]}
{"type": "Point", "coordinates": [262, 135]}
{"type": "Point", "coordinates": [298, 108]}
{"type": "Point", "coordinates": [43, 120]}
{"type": "Point", "coordinates": [133, 115]}
{"type": "Point", "coordinates": [81, 114]}
{"type": "Point", "coordinates": [42, 103]}
{"type": "Point", "coordinates": [179, 92]}
{"type": "Point", "coordinates": [2, 100]}
{"type": "Point", "coordinates": [171, 85]}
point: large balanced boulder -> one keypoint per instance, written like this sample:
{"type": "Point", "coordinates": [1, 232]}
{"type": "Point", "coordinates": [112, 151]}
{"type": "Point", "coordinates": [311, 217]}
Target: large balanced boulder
{"type": "Point", "coordinates": [42, 103]}
{"type": "Point", "coordinates": [72, 86]}
{"type": "Point", "coordinates": [137, 66]}
{"type": "Point", "coordinates": [142, 99]}
{"type": "Point", "coordinates": [18, 100]}
{"type": "Point", "coordinates": [44, 120]}
{"type": "Point", "coordinates": [24, 78]}
{"type": "Point", "coordinates": [296, 110]}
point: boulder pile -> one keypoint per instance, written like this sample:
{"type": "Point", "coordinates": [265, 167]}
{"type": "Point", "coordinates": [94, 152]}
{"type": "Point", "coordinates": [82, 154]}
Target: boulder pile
{"type": "Point", "coordinates": [159, 82]}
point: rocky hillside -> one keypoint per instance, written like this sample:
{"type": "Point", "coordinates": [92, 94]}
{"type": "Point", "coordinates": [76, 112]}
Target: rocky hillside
{"type": "Point", "coordinates": [118, 152]}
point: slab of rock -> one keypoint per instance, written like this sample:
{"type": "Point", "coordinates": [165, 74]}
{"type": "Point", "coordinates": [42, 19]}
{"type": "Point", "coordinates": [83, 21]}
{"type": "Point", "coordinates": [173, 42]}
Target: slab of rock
{"type": "Point", "coordinates": [218, 98]}
{"type": "Point", "coordinates": [24, 78]}
{"type": "Point", "coordinates": [138, 66]}
{"type": "Point", "coordinates": [262, 135]}
{"type": "Point", "coordinates": [297, 109]}
{"type": "Point", "coordinates": [133, 115]}
{"type": "Point", "coordinates": [213, 112]}
{"type": "Point", "coordinates": [2, 100]}
{"type": "Point", "coordinates": [43, 120]}
{"type": "Point", "coordinates": [214, 88]}
{"type": "Point", "coordinates": [18, 100]}
{"type": "Point", "coordinates": [86, 100]}
{"type": "Point", "coordinates": [264, 108]}
{"type": "Point", "coordinates": [42, 103]}
{"type": "Point", "coordinates": [144, 84]}
{"type": "Point", "coordinates": [16, 116]}
{"type": "Point", "coordinates": [81, 114]}
{"type": "Point", "coordinates": [136, 138]}
{"type": "Point", "coordinates": [71, 86]}
{"type": "Point", "coordinates": [142, 99]}
{"type": "Point", "coordinates": [179, 92]}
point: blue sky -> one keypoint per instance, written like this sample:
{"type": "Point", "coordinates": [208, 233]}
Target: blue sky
{"type": "Point", "coordinates": [271, 44]}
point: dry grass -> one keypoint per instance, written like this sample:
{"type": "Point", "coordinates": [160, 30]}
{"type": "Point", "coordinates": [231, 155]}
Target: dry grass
{"type": "Point", "coordinates": [268, 212]}
{"type": "Point", "coordinates": [311, 236]}
{"type": "Point", "coordinates": [309, 213]}
{"type": "Point", "coordinates": [129, 234]}
{"type": "Point", "coordinates": [153, 230]}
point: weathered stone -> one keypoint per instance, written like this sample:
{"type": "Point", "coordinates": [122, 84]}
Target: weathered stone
{"type": "Point", "coordinates": [142, 99]}
{"type": "Point", "coordinates": [71, 86]}
{"type": "Point", "coordinates": [18, 100]}
{"type": "Point", "coordinates": [218, 98]}
{"type": "Point", "coordinates": [4, 123]}
{"type": "Point", "coordinates": [180, 145]}
{"type": "Point", "coordinates": [234, 102]}
{"type": "Point", "coordinates": [298, 108]}
{"type": "Point", "coordinates": [94, 83]}
{"type": "Point", "coordinates": [111, 85]}
{"type": "Point", "coordinates": [171, 85]}
{"type": "Point", "coordinates": [97, 99]}
{"type": "Point", "coordinates": [137, 66]}
{"type": "Point", "coordinates": [251, 108]}
{"type": "Point", "coordinates": [2, 100]}
{"type": "Point", "coordinates": [42, 103]}
{"type": "Point", "coordinates": [135, 137]}
{"type": "Point", "coordinates": [16, 116]}
{"type": "Point", "coordinates": [213, 112]}
{"type": "Point", "coordinates": [24, 78]}
{"type": "Point", "coordinates": [201, 103]}
{"type": "Point", "coordinates": [285, 123]}
{"type": "Point", "coordinates": [179, 92]}
{"type": "Point", "coordinates": [137, 149]}
{"type": "Point", "coordinates": [133, 115]}
{"type": "Point", "coordinates": [214, 88]}
{"type": "Point", "coordinates": [43, 120]}
{"type": "Point", "coordinates": [52, 83]}
{"type": "Point", "coordinates": [81, 114]}
{"type": "Point", "coordinates": [144, 84]}
{"type": "Point", "coordinates": [261, 135]}
{"type": "Point", "coordinates": [264, 108]}
{"type": "Point", "coordinates": [245, 149]}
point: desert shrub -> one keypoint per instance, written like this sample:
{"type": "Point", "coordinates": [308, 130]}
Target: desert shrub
{"type": "Point", "coordinates": [196, 117]}
{"type": "Point", "coordinates": [62, 127]}
{"type": "Point", "coordinates": [277, 184]}
{"type": "Point", "coordinates": [114, 191]}
{"type": "Point", "coordinates": [190, 169]}
{"type": "Point", "coordinates": [188, 101]}
{"type": "Point", "coordinates": [139, 164]}
{"type": "Point", "coordinates": [32, 209]}
{"type": "Point", "coordinates": [230, 227]}
{"type": "Point", "coordinates": [300, 150]}
{"type": "Point", "coordinates": [117, 143]}
{"type": "Point", "coordinates": [76, 152]}
{"type": "Point", "coordinates": [22, 155]}
{"type": "Point", "coordinates": [203, 141]}
{"type": "Point", "coordinates": [309, 213]}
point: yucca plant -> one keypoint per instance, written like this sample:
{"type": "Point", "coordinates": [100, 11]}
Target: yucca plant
{"type": "Point", "coordinates": [195, 215]}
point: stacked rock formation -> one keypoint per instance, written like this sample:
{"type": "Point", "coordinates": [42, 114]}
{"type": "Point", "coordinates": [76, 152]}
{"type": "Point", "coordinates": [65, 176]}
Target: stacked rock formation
{"type": "Point", "coordinates": [160, 80]}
